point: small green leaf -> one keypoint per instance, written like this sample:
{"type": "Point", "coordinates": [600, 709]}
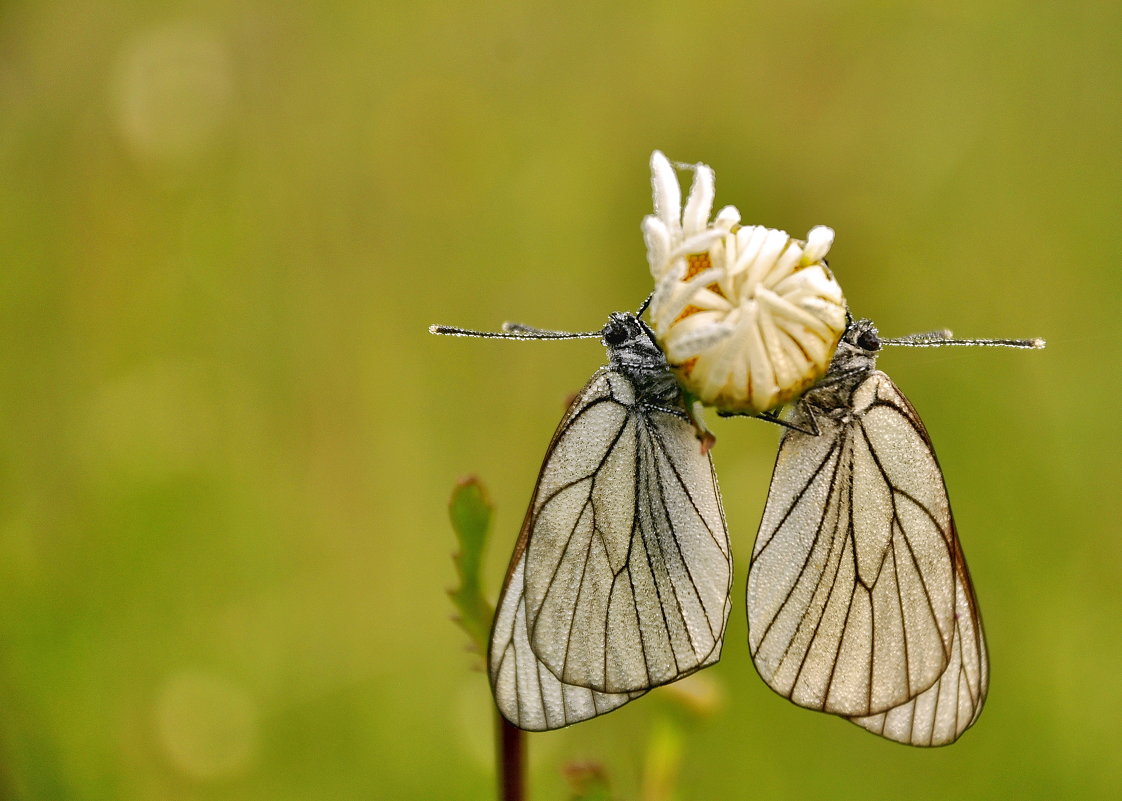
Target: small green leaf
{"type": "Point", "coordinates": [470, 511]}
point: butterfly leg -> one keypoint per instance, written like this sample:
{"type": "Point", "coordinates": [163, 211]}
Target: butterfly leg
{"type": "Point", "coordinates": [804, 413]}
{"type": "Point", "coordinates": [802, 419]}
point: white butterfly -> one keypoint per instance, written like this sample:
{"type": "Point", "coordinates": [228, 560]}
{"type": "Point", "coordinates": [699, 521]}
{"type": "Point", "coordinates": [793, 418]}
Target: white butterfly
{"type": "Point", "coordinates": [620, 579]}
{"type": "Point", "coordinates": [859, 599]}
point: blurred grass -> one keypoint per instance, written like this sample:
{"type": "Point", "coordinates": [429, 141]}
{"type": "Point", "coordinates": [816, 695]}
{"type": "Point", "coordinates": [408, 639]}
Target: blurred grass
{"type": "Point", "coordinates": [227, 438]}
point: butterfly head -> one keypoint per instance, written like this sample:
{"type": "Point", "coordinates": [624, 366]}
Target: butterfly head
{"type": "Point", "coordinates": [857, 351]}
{"type": "Point", "coordinates": [630, 342]}
{"type": "Point", "coordinates": [861, 335]}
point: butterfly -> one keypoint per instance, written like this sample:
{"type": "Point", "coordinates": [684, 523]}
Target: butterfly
{"type": "Point", "coordinates": [859, 599]}
{"type": "Point", "coordinates": [620, 578]}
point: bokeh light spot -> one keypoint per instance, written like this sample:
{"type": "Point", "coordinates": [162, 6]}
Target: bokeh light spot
{"type": "Point", "coordinates": [207, 725]}
{"type": "Point", "coordinates": [172, 92]}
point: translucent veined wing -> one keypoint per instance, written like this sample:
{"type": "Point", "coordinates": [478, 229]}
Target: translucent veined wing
{"type": "Point", "coordinates": [528, 695]}
{"type": "Point", "coordinates": [945, 710]}
{"type": "Point", "coordinates": [859, 601]}
{"type": "Point", "coordinates": [620, 578]}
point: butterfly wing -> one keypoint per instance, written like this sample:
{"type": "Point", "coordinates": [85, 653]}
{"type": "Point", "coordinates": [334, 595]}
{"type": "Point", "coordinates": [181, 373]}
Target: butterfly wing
{"type": "Point", "coordinates": [859, 601]}
{"type": "Point", "coordinates": [942, 712]}
{"type": "Point", "coordinates": [620, 579]}
{"type": "Point", "coordinates": [528, 695]}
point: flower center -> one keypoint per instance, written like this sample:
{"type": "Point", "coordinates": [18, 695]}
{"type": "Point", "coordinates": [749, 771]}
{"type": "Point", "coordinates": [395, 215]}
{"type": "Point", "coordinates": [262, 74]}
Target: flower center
{"type": "Point", "coordinates": [697, 263]}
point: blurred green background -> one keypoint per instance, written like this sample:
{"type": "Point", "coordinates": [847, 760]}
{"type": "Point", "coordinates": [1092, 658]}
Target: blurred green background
{"type": "Point", "coordinates": [228, 440]}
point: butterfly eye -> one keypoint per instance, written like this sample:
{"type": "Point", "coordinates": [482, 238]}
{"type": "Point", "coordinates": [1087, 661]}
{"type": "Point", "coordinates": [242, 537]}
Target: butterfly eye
{"type": "Point", "coordinates": [868, 340]}
{"type": "Point", "coordinates": [615, 335]}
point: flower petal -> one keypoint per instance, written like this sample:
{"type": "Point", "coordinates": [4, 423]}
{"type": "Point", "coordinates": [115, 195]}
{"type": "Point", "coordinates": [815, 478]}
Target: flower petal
{"type": "Point", "coordinates": [667, 193]}
{"type": "Point", "coordinates": [700, 202]}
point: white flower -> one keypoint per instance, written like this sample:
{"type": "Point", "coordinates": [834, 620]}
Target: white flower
{"type": "Point", "coordinates": [748, 317]}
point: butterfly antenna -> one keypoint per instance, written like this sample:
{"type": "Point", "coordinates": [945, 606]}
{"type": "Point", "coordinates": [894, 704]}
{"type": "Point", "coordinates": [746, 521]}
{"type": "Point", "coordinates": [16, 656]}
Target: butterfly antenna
{"type": "Point", "coordinates": [513, 331]}
{"type": "Point", "coordinates": [938, 339]}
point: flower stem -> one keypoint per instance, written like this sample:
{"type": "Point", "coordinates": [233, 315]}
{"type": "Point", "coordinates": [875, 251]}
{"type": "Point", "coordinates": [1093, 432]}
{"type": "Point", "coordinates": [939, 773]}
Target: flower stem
{"type": "Point", "coordinates": [510, 758]}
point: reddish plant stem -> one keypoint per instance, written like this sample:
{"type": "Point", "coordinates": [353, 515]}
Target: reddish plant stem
{"type": "Point", "coordinates": [510, 755]}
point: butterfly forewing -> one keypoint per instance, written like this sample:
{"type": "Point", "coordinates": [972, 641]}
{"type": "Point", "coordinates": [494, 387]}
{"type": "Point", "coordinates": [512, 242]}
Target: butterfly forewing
{"type": "Point", "coordinates": [620, 581]}
{"type": "Point", "coordinates": [858, 601]}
